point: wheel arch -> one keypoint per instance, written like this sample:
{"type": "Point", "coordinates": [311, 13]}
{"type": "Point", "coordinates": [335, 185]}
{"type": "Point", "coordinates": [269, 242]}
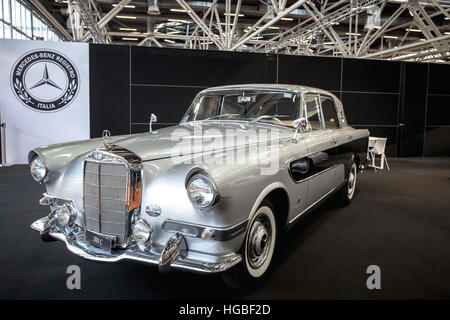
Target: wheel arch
{"type": "Point", "coordinates": [278, 195]}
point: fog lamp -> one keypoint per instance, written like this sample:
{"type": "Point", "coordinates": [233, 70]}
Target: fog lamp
{"type": "Point", "coordinates": [153, 210]}
{"type": "Point", "coordinates": [141, 232]}
{"type": "Point", "coordinates": [208, 234]}
{"type": "Point", "coordinates": [64, 215]}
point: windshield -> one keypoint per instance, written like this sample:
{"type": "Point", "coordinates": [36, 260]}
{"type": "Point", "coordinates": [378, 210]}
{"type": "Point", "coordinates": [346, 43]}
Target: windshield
{"type": "Point", "coordinates": [277, 107]}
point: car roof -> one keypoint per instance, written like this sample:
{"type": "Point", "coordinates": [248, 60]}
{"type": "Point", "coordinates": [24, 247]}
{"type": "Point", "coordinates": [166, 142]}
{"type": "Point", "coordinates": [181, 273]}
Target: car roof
{"type": "Point", "coordinates": [268, 86]}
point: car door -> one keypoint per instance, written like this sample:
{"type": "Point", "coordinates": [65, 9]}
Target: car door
{"type": "Point", "coordinates": [340, 137]}
{"type": "Point", "coordinates": [321, 151]}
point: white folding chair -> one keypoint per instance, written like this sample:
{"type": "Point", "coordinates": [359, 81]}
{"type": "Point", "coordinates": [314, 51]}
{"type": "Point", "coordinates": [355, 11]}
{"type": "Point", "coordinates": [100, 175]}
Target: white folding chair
{"type": "Point", "coordinates": [376, 148]}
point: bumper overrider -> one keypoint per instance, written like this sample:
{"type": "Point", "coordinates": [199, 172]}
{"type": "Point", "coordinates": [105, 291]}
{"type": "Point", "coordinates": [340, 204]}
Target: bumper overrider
{"type": "Point", "coordinates": [173, 255]}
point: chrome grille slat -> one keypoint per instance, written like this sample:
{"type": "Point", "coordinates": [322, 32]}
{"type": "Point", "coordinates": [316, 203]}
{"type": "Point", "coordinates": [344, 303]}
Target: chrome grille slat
{"type": "Point", "coordinates": [105, 199]}
{"type": "Point", "coordinates": [96, 185]}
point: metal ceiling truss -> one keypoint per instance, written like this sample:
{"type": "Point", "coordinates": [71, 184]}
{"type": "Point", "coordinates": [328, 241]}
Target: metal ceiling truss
{"type": "Point", "coordinates": [389, 29]}
{"type": "Point", "coordinates": [327, 21]}
{"type": "Point", "coordinates": [106, 18]}
{"type": "Point", "coordinates": [82, 7]}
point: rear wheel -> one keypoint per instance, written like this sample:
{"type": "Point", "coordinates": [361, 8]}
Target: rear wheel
{"type": "Point", "coordinates": [345, 195]}
{"type": "Point", "coordinates": [257, 250]}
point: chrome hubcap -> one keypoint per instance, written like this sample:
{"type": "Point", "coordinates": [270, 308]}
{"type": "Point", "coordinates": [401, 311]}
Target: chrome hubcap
{"type": "Point", "coordinates": [351, 180]}
{"type": "Point", "coordinates": [259, 241]}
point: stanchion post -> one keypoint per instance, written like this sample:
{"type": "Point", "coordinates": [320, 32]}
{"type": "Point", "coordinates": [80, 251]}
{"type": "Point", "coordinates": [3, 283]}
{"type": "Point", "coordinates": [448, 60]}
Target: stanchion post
{"type": "Point", "coordinates": [3, 145]}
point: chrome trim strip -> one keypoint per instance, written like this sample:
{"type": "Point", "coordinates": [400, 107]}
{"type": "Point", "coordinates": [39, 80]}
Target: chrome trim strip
{"type": "Point", "coordinates": [75, 243]}
{"type": "Point", "coordinates": [312, 205]}
{"type": "Point", "coordinates": [220, 234]}
{"type": "Point", "coordinates": [310, 177]}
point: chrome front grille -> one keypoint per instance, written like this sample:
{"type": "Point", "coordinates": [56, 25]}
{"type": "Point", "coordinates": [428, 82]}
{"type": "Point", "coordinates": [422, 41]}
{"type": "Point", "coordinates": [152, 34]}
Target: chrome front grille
{"type": "Point", "coordinates": [106, 206]}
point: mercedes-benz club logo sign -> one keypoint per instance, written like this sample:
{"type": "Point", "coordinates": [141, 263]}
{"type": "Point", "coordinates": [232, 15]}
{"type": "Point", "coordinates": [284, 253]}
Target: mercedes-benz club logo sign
{"type": "Point", "coordinates": [45, 80]}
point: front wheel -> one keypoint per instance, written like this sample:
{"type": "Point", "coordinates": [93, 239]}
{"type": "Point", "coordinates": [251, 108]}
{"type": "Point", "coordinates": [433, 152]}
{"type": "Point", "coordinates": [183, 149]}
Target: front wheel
{"type": "Point", "coordinates": [257, 250]}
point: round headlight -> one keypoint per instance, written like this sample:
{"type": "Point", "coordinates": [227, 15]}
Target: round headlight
{"type": "Point", "coordinates": [64, 216]}
{"type": "Point", "coordinates": [38, 169]}
{"type": "Point", "coordinates": [141, 232]}
{"type": "Point", "coordinates": [201, 191]}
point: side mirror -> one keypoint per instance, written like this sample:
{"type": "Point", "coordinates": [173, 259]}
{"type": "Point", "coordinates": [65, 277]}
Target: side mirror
{"type": "Point", "coordinates": [301, 122]}
{"type": "Point", "coordinates": [153, 118]}
{"type": "Point", "coordinates": [298, 123]}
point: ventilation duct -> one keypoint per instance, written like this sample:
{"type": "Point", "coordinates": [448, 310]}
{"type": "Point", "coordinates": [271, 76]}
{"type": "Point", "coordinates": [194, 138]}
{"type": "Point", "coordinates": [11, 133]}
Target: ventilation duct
{"type": "Point", "coordinates": [271, 15]}
{"type": "Point", "coordinates": [373, 18]}
{"type": "Point", "coordinates": [153, 8]}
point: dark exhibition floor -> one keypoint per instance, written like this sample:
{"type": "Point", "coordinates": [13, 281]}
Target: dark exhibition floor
{"type": "Point", "coordinates": [399, 220]}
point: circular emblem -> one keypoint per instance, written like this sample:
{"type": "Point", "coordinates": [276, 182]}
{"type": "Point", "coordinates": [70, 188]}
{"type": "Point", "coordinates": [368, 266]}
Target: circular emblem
{"type": "Point", "coordinates": [45, 80]}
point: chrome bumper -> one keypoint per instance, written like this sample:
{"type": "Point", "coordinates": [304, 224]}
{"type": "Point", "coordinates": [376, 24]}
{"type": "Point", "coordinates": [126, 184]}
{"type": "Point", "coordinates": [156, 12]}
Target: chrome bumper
{"type": "Point", "coordinates": [173, 255]}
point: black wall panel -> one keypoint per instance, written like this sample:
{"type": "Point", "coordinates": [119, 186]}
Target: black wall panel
{"type": "Point", "coordinates": [413, 109]}
{"type": "Point", "coordinates": [408, 103]}
{"type": "Point", "coordinates": [109, 79]}
{"type": "Point", "coordinates": [168, 103]}
{"type": "Point", "coordinates": [439, 79]}
{"type": "Point", "coordinates": [319, 72]}
{"type": "Point", "coordinates": [438, 110]}
{"type": "Point", "coordinates": [370, 75]}
{"type": "Point", "coordinates": [144, 127]}
{"type": "Point", "coordinates": [437, 142]}
{"type": "Point", "coordinates": [200, 68]}
{"type": "Point", "coordinates": [370, 108]}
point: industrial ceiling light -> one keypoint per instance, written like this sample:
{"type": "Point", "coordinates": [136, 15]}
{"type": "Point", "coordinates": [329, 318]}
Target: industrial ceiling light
{"type": "Point", "coordinates": [126, 17]}
{"type": "Point", "coordinates": [177, 20]}
{"type": "Point", "coordinates": [287, 19]}
{"type": "Point", "coordinates": [390, 37]}
{"type": "Point", "coordinates": [130, 39]}
{"type": "Point", "coordinates": [129, 6]}
{"type": "Point", "coordinates": [413, 30]}
{"type": "Point", "coordinates": [153, 8]}
{"type": "Point", "coordinates": [233, 14]}
{"type": "Point", "coordinates": [178, 10]}
{"type": "Point", "coordinates": [169, 41]}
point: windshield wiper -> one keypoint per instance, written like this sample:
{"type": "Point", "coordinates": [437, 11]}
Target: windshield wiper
{"type": "Point", "coordinates": [270, 117]}
{"type": "Point", "coordinates": [223, 115]}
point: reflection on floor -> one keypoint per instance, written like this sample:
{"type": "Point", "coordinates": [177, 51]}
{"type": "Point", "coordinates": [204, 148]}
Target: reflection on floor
{"type": "Point", "coordinates": [399, 220]}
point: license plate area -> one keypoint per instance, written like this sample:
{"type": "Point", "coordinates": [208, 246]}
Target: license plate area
{"type": "Point", "coordinates": [101, 241]}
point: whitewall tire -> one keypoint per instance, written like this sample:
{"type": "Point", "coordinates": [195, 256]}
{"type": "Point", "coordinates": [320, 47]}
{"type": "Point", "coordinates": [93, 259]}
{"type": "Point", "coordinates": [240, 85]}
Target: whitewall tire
{"type": "Point", "coordinates": [257, 250]}
{"type": "Point", "coordinates": [260, 241]}
{"type": "Point", "coordinates": [347, 193]}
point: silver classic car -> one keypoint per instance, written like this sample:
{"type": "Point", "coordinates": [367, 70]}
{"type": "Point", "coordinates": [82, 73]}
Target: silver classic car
{"type": "Point", "coordinates": [211, 194]}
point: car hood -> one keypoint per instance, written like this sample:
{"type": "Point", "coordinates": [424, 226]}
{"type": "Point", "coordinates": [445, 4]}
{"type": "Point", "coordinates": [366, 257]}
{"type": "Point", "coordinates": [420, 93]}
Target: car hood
{"type": "Point", "coordinates": [192, 138]}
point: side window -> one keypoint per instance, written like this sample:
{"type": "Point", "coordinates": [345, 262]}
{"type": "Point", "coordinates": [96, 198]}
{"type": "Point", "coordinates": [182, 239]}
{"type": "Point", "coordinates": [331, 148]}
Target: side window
{"type": "Point", "coordinates": [312, 112]}
{"type": "Point", "coordinates": [329, 113]}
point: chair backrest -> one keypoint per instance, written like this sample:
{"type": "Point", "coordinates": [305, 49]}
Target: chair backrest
{"type": "Point", "coordinates": [380, 145]}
